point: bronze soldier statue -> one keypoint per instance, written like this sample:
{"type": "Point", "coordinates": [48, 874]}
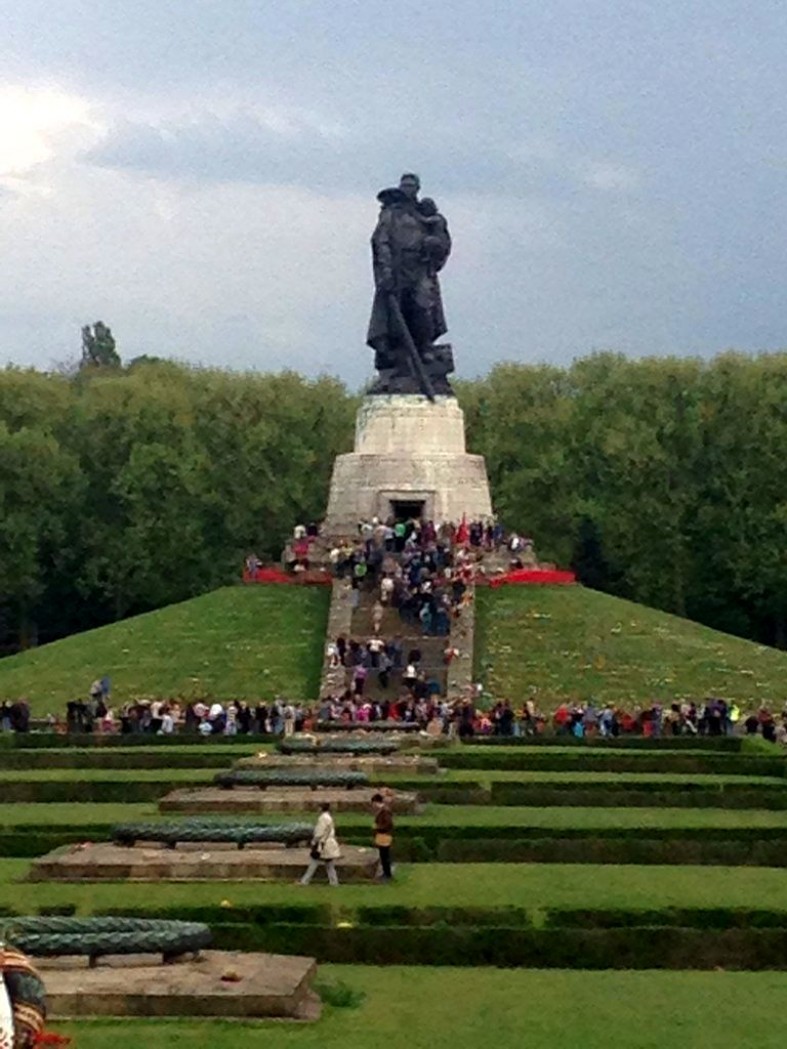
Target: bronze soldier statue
{"type": "Point", "coordinates": [410, 245]}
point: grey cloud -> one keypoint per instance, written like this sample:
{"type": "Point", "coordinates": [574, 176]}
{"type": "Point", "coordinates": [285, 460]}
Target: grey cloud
{"type": "Point", "coordinates": [242, 148]}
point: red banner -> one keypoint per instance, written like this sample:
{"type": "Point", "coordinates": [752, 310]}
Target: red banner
{"type": "Point", "coordinates": [311, 577]}
{"type": "Point", "coordinates": [534, 577]}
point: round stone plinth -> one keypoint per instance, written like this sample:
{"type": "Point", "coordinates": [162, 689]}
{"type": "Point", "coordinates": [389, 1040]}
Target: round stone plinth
{"type": "Point", "coordinates": [409, 453]}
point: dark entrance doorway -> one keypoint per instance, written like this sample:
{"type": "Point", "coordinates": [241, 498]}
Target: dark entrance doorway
{"type": "Point", "coordinates": [407, 509]}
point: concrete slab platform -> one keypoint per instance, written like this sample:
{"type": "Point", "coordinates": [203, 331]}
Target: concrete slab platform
{"type": "Point", "coordinates": [372, 764]}
{"type": "Point", "coordinates": [218, 983]}
{"type": "Point", "coordinates": [105, 861]}
{"type": "Point", "coordinates": [202, 800]}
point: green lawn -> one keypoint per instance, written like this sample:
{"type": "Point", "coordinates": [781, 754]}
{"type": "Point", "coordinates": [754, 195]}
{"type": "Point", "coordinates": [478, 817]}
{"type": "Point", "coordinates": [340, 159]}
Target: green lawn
{"type": "Point", "coordinates": [533, 886]}
{"type": "Point", "coordinates": [197, 776]}
{"type": "Point", "coordinates": [486, 776]}
{"type": "Point", "coordinates": [556, 643]}
{"type": "Point", "coordinates": [436, 1008]}
{"type": "Point", "coordinates": [235, 643]}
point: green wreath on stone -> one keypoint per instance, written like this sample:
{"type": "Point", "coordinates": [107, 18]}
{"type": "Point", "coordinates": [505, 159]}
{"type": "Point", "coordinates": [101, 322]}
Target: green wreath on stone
{"type": "Point", "coordinates": [96, 937]}
{"type": "Point", "coordinates": [338, 746]}
{"type": "Point", "coordinates": [199, 830]}
{"type": "Point", "coordinates": [313, 778]}
{"type": "Point", "coordinates": [367, 726]}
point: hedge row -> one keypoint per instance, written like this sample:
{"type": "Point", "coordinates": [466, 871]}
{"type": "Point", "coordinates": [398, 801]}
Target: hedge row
{"type": "Point", "coordinates": [512, 760]}
{"type": "Point", "coordinates": [593, 761]}
{"type": "Point", "coordinates": [563, 948]}
{"type": "Point", "coordinates": [726, 743]}
{"type": "Point", "coordinates": [599, 850]}
{"type": "Point", "coordinates": [433, 834]}
{"type": "Point", "coordinates": [98, 759]}
{"type": "Point", "coordinates": [426, 847]}
{"type": "Point", "coordinates": [393, 915]}
{"type": "Point", "coordinates": [54, 741]}
{"type": "Point", "coordinates": [21, 790]}
{"type": "Point", "coordinates": [503, 792]}
{"type": "Point", "coordinates": [627, 795]}
{"type": "Point", "coordinates": [680, 917]}
{"type": "Point", "coordinates": [88, 790]}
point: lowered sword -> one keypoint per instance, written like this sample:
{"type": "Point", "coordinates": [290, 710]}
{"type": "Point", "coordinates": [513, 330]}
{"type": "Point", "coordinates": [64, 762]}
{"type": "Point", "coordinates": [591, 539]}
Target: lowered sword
{"type": "Point", "coordinates": [412, 350]}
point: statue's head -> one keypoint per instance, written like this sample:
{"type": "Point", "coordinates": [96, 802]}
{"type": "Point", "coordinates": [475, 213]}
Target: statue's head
{"type": "Point", "coordinates": [427, 207]}
{"type": "Point", "coordinates": [409, 184]}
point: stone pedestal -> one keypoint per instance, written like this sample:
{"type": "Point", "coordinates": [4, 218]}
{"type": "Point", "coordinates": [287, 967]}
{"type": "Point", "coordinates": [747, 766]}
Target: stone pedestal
{"type": "Point", "coordinates": [104, 861]}
{"type": "Point", "coordinates": [269, 985]}
{"type": "Point", "coordinates": [409, 458]}
{"type": "Point", "coordinates": [245, 800]}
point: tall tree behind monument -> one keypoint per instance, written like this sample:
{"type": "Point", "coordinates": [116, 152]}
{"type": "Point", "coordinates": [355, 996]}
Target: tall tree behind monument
{"type": "Point", "coordinates": [99, 347]}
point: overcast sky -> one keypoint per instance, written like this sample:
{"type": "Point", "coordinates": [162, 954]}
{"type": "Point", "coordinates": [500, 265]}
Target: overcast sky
{"type": "Point", "coordinates": [201, 175]}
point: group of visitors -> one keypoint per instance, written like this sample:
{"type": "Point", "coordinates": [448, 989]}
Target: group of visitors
{"type": "Point", "coordinates": [418, 702]}
{"type": "Point", "coordinates": [712, 717]}
{"type": "Point", "coordinates": [385, 660]}
{"type": "Point", "coordinates": [15, 717]}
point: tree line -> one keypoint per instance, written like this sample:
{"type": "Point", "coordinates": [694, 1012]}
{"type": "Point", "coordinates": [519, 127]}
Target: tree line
{"type": "Point", "coordinates": [126, 488]}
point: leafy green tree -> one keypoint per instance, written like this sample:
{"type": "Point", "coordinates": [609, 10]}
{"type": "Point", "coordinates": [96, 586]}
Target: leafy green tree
{"type": "Point", "coordinates": [98, 347]}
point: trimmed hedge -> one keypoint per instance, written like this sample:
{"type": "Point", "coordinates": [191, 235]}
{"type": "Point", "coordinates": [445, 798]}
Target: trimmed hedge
{"type": "Point", "coordinates": [628, 795]}
{"type": "Point", "coordinates": [600, 850]}
{"type": "Point", "coordinates": [563, 948]}
{"type": "Point", "coordinates": [22, 790]}
{"type": "Point", "coordinates": [671, 938]}
{"type": "Point", "coordinates": [393, 915]}
{"type": "Point", "coordinates": [72, 758]}
{"type": "Point", "coordinates": [511, 917]}
{"type": "Point", "coordinates": [54, 741]}
{"type": "Point", "coordinates": [593, 761]}
{"type": "Point", "coordinates": [726, 743]}
{"type": "Point", "coordinates": [254, 915]}
{"type": "Point", "coordinates": [682, 917]}
{"type": "Point", "coordinates": [445, 844]}
{"type": "Point", "coordinates": [90, 790]}
{"type": "Point", "coordinates": [740, 846]}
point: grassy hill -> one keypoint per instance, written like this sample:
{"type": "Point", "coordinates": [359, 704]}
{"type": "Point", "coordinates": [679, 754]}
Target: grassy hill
{"type": "Point", "coordinates": [255, 642]}
{"type": "Point", "coordinates": [244, 642]}
{"type": "Point", "coordinates": [563, 642]}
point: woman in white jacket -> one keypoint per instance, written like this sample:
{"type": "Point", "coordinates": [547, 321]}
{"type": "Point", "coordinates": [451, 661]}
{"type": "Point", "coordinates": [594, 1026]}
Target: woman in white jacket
{"type": "Point", "coordinates": [324, 847]}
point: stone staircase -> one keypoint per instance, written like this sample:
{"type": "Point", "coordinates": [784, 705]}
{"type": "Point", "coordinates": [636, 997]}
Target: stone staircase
{"type": "Point", "coordinates": [356, 624]}
{"type": "Point", "coordinates": [431, 648]}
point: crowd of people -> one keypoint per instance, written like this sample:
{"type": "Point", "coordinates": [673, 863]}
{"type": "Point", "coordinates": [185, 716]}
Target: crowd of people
{"type": "Point", "coordinates": [418, 703]}
{"type": "Point", "coordinates": [711, 717]}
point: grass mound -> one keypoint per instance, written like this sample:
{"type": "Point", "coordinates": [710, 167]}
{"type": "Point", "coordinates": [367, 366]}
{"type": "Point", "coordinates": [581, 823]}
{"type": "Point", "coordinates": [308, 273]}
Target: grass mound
{"type": "Point", "coordinates": [234, 643]}
{"type": "Point", "coordinates": [555, 643]}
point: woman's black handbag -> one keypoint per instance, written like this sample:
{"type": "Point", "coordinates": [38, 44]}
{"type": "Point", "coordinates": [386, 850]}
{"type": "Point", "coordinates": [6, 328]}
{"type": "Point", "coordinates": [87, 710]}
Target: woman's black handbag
{"type": "Point", "coordinates": [314, 852]}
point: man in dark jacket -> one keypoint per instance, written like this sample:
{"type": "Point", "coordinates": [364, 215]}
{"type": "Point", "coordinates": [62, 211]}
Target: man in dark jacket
{"type": "Point", "coordinates": [383, 834]}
